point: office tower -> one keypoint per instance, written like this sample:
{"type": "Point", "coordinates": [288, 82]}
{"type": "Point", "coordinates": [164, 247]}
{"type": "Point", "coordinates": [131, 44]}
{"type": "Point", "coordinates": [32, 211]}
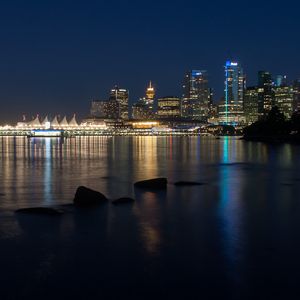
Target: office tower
{"type": "Point", "coordinates": [196, 97]}
{"type": "Point", "coordinates": [105, 109]}
{"type": "Point", "coordinates": [231, 108]}
{"type": "Point", "coordinates": [120, 96]}
{"type": "Point", "coordinates": [296, 102]}
{"type": "Point", "coordinates": [139, 110]}
{"type": "Point", "coordinates": [168, 108]}
{"type": "Point", "coordinates": [251, 105]}
{"type": "Point", "coordinates": [284, 99]}
{"type": "Point", "coordinates": [98, 109]}
{"type": "Point", "coordinates": [144, 108]}
{"type": "Point", "coordinates": [265, 92]}
{"type": "Point", "coordinates": [150, 92]}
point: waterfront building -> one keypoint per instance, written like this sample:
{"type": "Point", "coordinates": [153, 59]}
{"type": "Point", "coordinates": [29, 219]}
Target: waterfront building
{"type": "Point", "coordinates": [55, 122]}
{"type": "Point", "coordinates": [168, 107]}
{"type": "Point", "coordinates": [35, 123]}
{"type": "Point", "coordinates": [121, 97]}
{"type": "Point", "coordinates": [196, 98]}
{"type": "Point", "coordinates": [265, 92]}
{"type": "Point", "coordinates": [284, 99]}
{"type": "Point", "coordinates": [64, 122]}
{"type": "Point", "coordinates": [251, 105]}
{"type": "Point", "coordinates": [73, 122]}
{"type": "Point", "coordinates": [231, 108]}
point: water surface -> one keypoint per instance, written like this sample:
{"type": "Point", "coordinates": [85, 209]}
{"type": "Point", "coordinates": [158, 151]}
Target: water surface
{"type": "Point", "coordinates": [236, 237]}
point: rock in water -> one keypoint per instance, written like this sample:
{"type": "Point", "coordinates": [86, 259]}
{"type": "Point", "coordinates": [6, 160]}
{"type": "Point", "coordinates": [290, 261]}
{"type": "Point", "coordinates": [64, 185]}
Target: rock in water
{"type": "Point", "coordinates": [183, 183]}
{"type": "Point", "coordinates": [41, 211]}
{"type": "Point", "coordinates": [123, 200]}
{"type": "Point", "coordinates": [87, 197]}
{"type": "Point", "coordinates": [155, 183]}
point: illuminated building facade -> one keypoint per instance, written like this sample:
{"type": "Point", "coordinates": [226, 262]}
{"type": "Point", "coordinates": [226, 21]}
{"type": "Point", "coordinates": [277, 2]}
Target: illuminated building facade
{"type": "Point", "coordinates": [120, 98]}
{"type": "Point", "coordinates": [196, 97]}
{"type": "Point", "coordinates": [231, 108]}
{"type": "Point", "coordinates": [168, 107]}
{"type": "Point", "coordinates": [284, 99]}
{"type": "Point", "coordinates": [140, 110]}
{"type": "Point", "coordinates": [98, 109]}
{"type": "Point", "coordinates": [144, 108]}
{"type": "Point", "coordinates": [265, 92]}
{"type": "Point", "coordinates": [251, 105]}
{"type": "Point", "coordinates": [150, 92]}
{"type": "Point", "coordinates": [296, 102]}
{"type": "Point", "coordinates": [105, 109]}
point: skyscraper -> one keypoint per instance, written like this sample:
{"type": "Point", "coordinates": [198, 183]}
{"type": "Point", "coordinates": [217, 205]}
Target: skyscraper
{"type": "Point", "coordinates": [144, 108]}
{"type": "Point", "coordinates": [231, 109]}
{"type": "Point", "coordinates": [196, 98]}
{"type": "Point", "coordinates": [283, 99]}
{"type": "Point", "coordinates": [251, 105]}
{"type": "Point", "coordinates": [120, 96]}
{"type": "Point", "coordinates": [265, 92]}
{"type": "Point", "coordinates": [296, 104]}
{"type": "Point", "coordinates": [150, 92]}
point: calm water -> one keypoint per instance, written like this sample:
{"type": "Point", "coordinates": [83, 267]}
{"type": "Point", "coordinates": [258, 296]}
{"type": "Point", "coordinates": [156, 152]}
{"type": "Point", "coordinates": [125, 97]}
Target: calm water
{"type": "Point", "coordinates": [236, 237]}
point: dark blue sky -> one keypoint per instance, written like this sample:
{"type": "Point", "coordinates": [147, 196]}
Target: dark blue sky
{"type": "Point", "coordinates": [55, 56]}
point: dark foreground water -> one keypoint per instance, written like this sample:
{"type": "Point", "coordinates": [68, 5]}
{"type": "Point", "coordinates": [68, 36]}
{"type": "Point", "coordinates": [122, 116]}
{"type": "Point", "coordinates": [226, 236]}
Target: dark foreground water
{"type": "Point", "coordinates": [236, 237]}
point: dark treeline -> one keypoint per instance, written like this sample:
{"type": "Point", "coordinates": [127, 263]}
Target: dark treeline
{"type": "Point", "coordinates": [274, 127]}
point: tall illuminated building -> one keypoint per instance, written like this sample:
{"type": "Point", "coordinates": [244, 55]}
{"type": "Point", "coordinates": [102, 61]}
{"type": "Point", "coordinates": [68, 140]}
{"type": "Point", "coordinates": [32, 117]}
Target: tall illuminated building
{"type": "Point", "coordinates": [284, 99]}
{"type": "Point", "coordinates": [265, 92]}
{"type": "Point", "coordinates": [231, 108]}
{"type": "Point", "coordinates": [144, 108]}
{"type": "Point", "coordinates": [150, 92]}
{"type": "Point", "coordinates": [251, 105]}
{"type": "Point", "coordinates": [196, 98]}
{"type": "Point", "coordinates": [296, 102]}
{"type": "Point", "coordinates": [120, 96]}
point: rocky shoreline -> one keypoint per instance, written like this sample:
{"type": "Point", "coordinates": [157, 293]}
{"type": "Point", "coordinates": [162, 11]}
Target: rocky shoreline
{"type": "Point", "coordinates": [88, 198]}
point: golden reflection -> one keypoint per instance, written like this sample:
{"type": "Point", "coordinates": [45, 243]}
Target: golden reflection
{"type": "Point", "coordinates": [145, 150]}
{"type": "Point", "coordinates": [147, 212]}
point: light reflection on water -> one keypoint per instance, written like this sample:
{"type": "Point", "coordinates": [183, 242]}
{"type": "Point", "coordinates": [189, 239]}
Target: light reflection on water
{"type": "Point", "coordinates": [213, 232]}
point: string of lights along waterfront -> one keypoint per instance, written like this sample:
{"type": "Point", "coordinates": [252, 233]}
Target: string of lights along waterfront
{"type": "Point", "coordinates": [194, 112]}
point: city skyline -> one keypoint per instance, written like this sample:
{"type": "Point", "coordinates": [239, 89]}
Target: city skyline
{"type": "Point", "coordinates": [54, 57]}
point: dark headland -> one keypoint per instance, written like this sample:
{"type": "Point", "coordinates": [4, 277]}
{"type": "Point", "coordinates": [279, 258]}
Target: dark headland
{"type": "Point", "coordinates": [274, 128]}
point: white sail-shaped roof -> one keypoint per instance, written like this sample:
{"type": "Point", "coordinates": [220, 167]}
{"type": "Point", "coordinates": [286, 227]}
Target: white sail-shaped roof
{"type": "Point", "coordinates": [55, 122]}
{"type": "Point", "coordinates": [35, 123]}
{"type": "Point", "coordinates": [64, 122]}
{"type": "Point", "coordinates": [73, 122]}
{"type": "Point", "coordinates": [45, 120]}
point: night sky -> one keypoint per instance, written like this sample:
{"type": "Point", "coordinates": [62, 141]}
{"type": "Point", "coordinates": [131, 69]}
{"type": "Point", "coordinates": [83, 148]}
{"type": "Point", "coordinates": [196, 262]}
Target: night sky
{"type": "Point", "coordinates": [58, 55]}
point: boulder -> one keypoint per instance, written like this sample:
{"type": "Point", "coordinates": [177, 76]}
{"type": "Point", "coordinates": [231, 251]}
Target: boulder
{"type": "Point", "coordinates": [41, 211]}
{"type": "Point", "coordinates": [183, 183]}
{"type": "Point", "coordinates": [155, 183]}
{"type": "Point", "coordinates": [88, 197]}
{"type": "Point", "coordinates": [123, 200]}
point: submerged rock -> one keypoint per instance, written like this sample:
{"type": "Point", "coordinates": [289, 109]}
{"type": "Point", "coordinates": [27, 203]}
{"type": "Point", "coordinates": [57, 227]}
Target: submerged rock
{"type": "Point", "coordinates": [155, 183]}
{"type": "Point", "coordinates": [183, 183]}
{"type": "Point", "coordinates": [1, 194]}
{"type": "Point", "coordinates": [88, 197]}
{"type": "Point", "coordinates": [41, 211]}
{"type": "Point", "coordinates": [123, 200]}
